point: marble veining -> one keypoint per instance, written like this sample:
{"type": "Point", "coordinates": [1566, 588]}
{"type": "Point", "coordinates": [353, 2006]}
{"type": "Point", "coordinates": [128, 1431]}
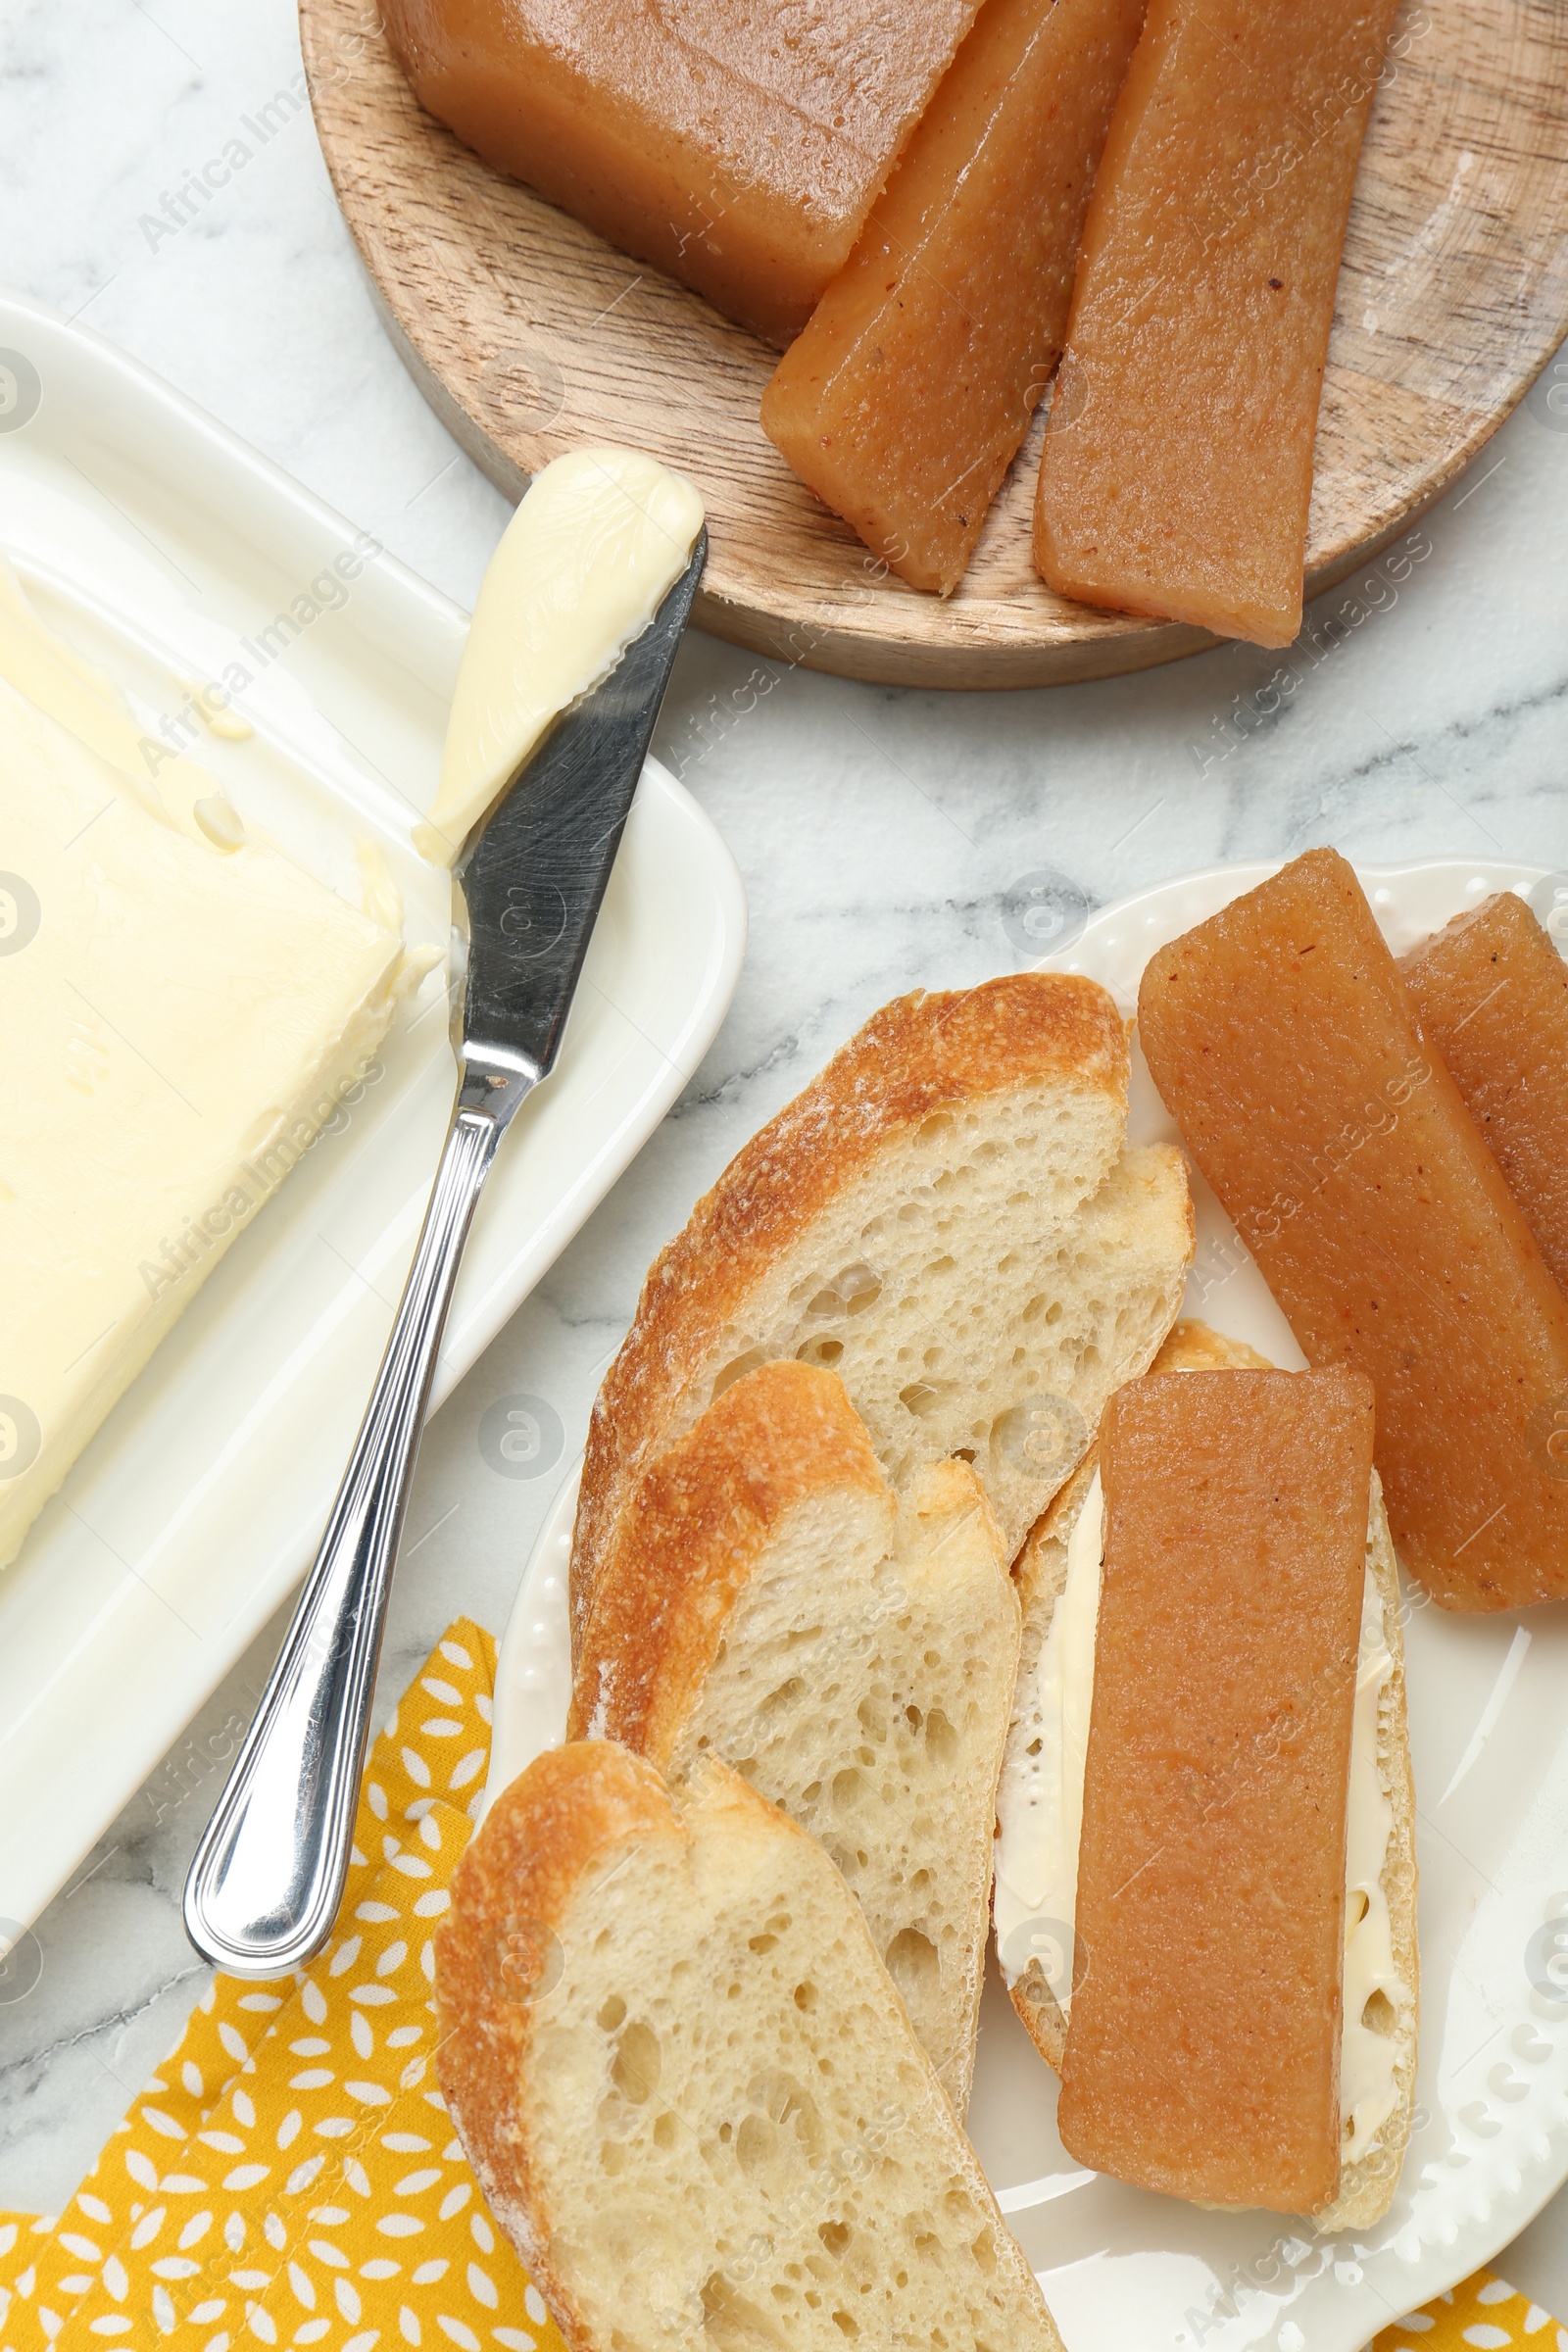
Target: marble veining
{"type": "Point", "coordinates": [164, 183]}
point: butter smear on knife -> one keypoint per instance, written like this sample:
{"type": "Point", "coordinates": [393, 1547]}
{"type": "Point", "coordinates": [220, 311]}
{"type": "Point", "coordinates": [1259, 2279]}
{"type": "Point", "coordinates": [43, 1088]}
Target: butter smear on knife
{"type": "Point", "coordinates": [593, 549]}
{"type": "Point", "coordinates": [182, 1009]}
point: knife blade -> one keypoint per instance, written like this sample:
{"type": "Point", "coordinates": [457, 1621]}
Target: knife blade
{"type": "Point", "coordinates": [533, 879]}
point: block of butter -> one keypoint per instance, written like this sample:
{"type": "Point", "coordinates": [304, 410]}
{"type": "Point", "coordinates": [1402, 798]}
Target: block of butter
{"type": "Point", "coordinates": [182, 1009]}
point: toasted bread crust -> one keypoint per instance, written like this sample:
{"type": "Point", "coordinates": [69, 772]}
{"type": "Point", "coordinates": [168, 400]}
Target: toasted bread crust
{"type": "Point", "coordinates": [691, 1532]}
{"type": "Point", "coordinates": [511, 1889]}
{"type": "Point", "coordinates": [703, 1522]}
{"type": "Point", "coordinates": [555, 1833]}
{"type": "Point", "coordinates": [918, 1055]}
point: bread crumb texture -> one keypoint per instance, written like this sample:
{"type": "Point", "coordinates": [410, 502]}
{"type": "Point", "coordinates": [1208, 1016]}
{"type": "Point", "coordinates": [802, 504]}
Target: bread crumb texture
{"type": "Point", "coordinates": [771, 1600]}
{"type": "Point", "coordinates": [717, 2126]}
{"type": "Point", "coordinates": [946, 1219]}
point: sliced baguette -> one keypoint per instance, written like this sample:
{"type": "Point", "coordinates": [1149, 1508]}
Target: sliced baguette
{"type": "Point", "coordinates": [946, 1219]}
{"type": "Point", "coordinates": [689, 2089]}
{"type": "Point", "coordinates": [767, 1599]}
{"type": "Point", "coordinates": [1367, 2186]}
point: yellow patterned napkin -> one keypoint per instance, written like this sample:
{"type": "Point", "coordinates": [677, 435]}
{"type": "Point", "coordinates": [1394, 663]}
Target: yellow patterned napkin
{"type": "Point", "coordinates": [290, 2176]}
{"type": "Point", "coordinates": [1482, 2314]}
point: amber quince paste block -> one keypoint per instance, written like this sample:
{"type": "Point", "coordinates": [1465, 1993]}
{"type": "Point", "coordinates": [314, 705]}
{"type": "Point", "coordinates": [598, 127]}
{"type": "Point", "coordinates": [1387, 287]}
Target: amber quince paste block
{"type": "Point", "coordinates": [1202, 2049]}
{"type": "Point", "coordinates": [905, 401]}
{"type": "Point", "coordinates": [1177, 468]}
{"type": "Point", "coordinates": [1492, 994]}
{"type": "Point", "coordinates": [1284, 1040]}
{"type": "Point", "coordinates": [737, 146]}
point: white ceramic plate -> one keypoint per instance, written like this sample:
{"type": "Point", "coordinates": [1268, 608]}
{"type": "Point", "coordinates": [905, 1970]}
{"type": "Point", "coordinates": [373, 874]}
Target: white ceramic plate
{"type": "Point", "coordinates": [1488, 1733]}
{"type": "Point", "coordinates": [166, 550]}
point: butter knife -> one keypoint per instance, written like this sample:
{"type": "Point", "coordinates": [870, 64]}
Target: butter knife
{"type": "Point", "coordinates": [267, 1877]}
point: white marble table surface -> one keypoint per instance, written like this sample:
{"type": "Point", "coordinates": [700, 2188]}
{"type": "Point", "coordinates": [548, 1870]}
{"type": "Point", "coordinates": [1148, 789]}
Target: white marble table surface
{"type": "Point", "coordinates": [878, 832]}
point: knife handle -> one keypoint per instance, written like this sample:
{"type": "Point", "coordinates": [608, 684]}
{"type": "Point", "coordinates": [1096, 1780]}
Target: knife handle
{"type": "Point", "coordinates": [265, 1887]}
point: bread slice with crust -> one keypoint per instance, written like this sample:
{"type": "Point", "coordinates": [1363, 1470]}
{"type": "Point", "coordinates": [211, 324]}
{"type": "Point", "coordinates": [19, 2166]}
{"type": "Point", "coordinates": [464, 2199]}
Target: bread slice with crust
{"type": "Point", "coordinates": [689, 2089]}
{"type": "Point", "coordinates": [1367, 2185]}
{"type": "Point", "coordinates": [768, 1600]}
{"type": "Point", "coordinates": [946, 1218]}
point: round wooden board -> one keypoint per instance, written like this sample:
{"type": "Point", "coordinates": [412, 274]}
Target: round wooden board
{"type": "Point", "coordinates": [529, 335]}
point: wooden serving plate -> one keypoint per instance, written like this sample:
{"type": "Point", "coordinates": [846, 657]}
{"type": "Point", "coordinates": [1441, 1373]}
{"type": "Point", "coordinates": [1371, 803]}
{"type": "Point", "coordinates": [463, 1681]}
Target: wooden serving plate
{"type": "Point", "coordinates": [529, 337]}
